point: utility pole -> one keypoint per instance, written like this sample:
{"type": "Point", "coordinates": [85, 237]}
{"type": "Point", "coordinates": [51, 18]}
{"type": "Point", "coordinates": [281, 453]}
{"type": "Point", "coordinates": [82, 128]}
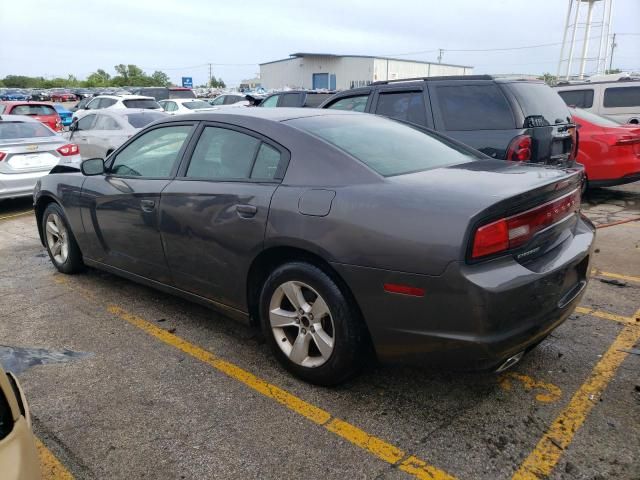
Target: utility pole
{"type": "Point", "coordinates": [209, 76]}
{"type": "Point", "coordinates": [613, 46]}
{"type": "Point", "coordinates": [441, 52]}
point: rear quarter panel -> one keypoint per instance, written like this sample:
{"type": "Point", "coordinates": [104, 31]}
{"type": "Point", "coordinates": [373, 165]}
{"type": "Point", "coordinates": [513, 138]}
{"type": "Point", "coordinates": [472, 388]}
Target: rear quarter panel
{"type": "Point", "coordinates": [64, 189]}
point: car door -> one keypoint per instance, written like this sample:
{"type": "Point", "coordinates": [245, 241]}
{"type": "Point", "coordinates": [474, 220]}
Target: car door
{"type": "Point", "coordinates": [120, 212]}
{"type": "Point", "coordinates": [81, 136]}
{"type": "Point", "coordinates": [107, 134]}
{"type": "Point", "coordinates": [213, 215]}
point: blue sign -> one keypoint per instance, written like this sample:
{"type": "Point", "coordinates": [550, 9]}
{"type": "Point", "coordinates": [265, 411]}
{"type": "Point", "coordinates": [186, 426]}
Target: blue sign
{"type": "Point", "coordinates": [187, 82]}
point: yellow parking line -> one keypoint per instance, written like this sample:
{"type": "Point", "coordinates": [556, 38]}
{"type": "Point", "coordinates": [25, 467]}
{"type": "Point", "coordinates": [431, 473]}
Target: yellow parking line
{"type": "Point", "coordinates": [541, 462]}
{"type": "Point", "coordinates": [377, 447]}
{"type": "Point", "coordinates": [609, 316]}
{"type": "Point", "coordinates": [629, 278]}
{"type": "Point", "coordinates": [16, 215]}
{"type": "Point", "coordinates": [51, 467]}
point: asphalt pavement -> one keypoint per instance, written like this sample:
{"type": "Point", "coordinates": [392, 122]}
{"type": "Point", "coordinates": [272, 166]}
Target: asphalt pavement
{"type": "Point", "coordinates": [125, 382]}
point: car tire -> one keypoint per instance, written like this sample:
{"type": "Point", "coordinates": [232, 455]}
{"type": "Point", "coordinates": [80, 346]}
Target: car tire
{"type": "Point", "coordinates": [333, 343]}
{"type": "Point", "coordinates": [59, 240]}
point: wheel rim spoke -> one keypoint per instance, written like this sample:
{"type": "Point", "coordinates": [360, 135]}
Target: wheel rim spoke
{"type": "Point", "coordinates": [294, 293]}
{"type": "Point", "coordinates": [57, 248]}
{"type": "Point", "coordinates": [300, 350]}
{"type": "Point", "coordinates": [319, 308]}
{"type": "Point", "coordinates": [52, 228]}
{"type": "Point", "coordinates": [280, 318]}
{"type": "Point", "coordinates": [323, 341]}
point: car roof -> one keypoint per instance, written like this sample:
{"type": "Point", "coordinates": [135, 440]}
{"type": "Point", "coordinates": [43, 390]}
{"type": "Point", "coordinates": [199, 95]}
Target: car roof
{"type": "Point", "coordinates": [273, 114]}
{"type": "Point", "coordinates": [125, 97]}
{"type": "Point", "coordinates": [121, 112]}
{"type": "Point", "coordinates": [18, 118]}
{"type": "Point", "coordinates": [23, 102]}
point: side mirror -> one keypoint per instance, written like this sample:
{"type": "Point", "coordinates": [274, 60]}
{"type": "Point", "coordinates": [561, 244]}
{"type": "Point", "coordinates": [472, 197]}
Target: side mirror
{"type": "Point", "coordinates": [92, 166]}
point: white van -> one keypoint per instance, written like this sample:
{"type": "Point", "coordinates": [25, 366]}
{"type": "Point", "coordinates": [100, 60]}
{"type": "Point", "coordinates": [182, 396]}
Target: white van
{"type": "Point", "coordinates": [619, 101]}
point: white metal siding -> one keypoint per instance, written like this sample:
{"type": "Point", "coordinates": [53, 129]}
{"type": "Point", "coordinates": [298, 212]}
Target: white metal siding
{"type": "Point", "coordinates": [349, 71]}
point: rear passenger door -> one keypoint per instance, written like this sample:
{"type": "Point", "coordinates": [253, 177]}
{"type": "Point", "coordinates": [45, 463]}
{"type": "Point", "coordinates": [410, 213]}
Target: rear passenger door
{"type": "Point", "coordinates": [476, 113]}
{"type": "Point", "coordinates": [408, 104]}
{"type": "Point", "coordinates": [213, 216]}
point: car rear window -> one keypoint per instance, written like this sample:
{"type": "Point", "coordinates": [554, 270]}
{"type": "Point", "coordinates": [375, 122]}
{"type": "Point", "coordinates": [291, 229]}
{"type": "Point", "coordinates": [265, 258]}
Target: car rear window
{"type": "Point", "coordinates": [595, 119]}
{"type": "Point", "coordinates": [540, 100]}
{"type": "Point", "coordinates": [291, 100]}
{"type": "Point", "coordinates": [474, 107]}
{"type": "Point", "coordinates": [141, 103]}
{"type": "Point", "coordinates": [13, 130]}
{"type": "Point", "coordinates": [577, 98]}
{"type": "Point", "coordinates": [33, 110]}
{"type": "Point", "coordinates": [139, 120]}
{"type": "Point", "coordinates": [181, 94]}
{"type": "Point", "coordinates": [386, 146]}
{"type": "Point", "coordinates": [196, 104]}
{"type": "Point", "coordinates": [620, 97]}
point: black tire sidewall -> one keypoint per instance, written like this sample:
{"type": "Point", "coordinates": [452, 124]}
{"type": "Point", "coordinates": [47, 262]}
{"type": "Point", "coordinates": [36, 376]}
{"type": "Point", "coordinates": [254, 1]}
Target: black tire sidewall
{"type": "Point", "coordinates": [346, 359]}
{"type": "Point", "coordinates": [73, 263]}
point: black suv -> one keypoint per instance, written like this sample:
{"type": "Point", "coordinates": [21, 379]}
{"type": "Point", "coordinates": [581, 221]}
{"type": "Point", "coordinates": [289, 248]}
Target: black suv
{"type": "Point", "coordinates": [296, 98]}
{"type": "Point", "coordinates": [520, 120]}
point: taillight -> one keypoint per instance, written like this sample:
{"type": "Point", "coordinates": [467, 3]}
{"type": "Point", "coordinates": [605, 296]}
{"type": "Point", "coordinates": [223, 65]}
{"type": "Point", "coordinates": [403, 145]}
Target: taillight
{"type": "Point", "coordinates": [514, 231]}
{"type": "Point", "coordinates": [2, 155]}
{"type": "Point", "coordinates": [68, 149]}
{"type": "Point", "coordinates": [519, 149]}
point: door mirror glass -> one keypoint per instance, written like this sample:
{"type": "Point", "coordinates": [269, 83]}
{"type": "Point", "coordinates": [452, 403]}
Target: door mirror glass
{"type": "Point", "coordinates": [92, 166]}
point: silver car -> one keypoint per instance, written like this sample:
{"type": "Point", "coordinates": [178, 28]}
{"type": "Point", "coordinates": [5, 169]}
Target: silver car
{"type": "Point", "coordinates": [100, 133]}
{"type": "Point", "coordinates": [29, 150]}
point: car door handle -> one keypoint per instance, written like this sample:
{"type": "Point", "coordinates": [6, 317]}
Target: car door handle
{"type": "Point", "coordinates": [246, 211]}
{"type": "Point", "coordinates": [147, 205]}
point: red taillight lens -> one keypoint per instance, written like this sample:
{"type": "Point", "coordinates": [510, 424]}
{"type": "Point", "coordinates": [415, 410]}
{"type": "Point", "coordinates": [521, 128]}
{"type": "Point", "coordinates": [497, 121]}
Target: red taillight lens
{"type": "Point", "coordinates": [404, 289]}
{"type": "Point", "coordinates": [520, 149]}
{"type": "Point", "coordinates": [2, 155]}
{"type": "Point", "coordinates": [514, 231]}
{"type": "Point", "coordinates": [68, 149]}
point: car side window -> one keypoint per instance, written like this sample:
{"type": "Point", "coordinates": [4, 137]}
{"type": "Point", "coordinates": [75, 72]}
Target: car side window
{"type": "Point", "coordinates": [407, 106]}
{"type": "Point", "coordinates": [474, 107]}
{"type": "Point", "coordinates": [94, 104]}
{"type": "Point", "coordinates": [354, 104]}
{"type": "Point", "coordinates": [107, 102]}
{"type": "Point", "coordinates": [153, 154]}
{"type": "Point", "coordinates": [104, 122]}
{"type": "Point", "coordinates": [267, 163]}
{"type": "Point", "coordinates": [270, 102]}
{"type": "Point", "coordinates": [578, 98]}
{"type": "Point", "coordinates": [218, 100]}
{"type": "Point", "coordinates": [2, 108]}
{"type": "Point", "coordinates": [223, 154]}
{"type": "Point", "coordinates": [620, 97]}
{"type": "Point", "coordinates": [292, 100]}
{"type": "Point", "coordinates": [86, 122]}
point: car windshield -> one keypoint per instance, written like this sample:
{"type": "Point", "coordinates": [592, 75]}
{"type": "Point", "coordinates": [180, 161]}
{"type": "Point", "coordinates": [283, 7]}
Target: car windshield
{"type": "Point", "coordinates": [141, 103]}
{"type": "Point", "coordinates": [593, 118]}
{"type": "Point", "coordinates": [139, 120]}
{"type": "Point", "coordinates": [196, 104]}
{"type": "Point", "coordinates": [14, 130]}
{"type": "Point", "coordinates": [33, 110]}
{"type": "Point", "coordinates": [386, 146]}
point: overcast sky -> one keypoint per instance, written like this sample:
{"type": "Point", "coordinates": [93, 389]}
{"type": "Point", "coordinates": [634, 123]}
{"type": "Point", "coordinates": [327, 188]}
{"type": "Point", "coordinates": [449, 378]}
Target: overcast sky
{"type": "Point", "coordinates": [179, 37]}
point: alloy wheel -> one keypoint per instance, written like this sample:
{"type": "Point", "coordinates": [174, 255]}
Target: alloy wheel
{"type": "Point", "coordinates": [57, 238]}
{"type": "Point", "coordinates": [302, 324]}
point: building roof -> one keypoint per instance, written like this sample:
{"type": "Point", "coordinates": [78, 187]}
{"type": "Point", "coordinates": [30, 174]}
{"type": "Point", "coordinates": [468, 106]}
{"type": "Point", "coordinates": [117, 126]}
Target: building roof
{"type": "Point", "coordinates": [307, 54]}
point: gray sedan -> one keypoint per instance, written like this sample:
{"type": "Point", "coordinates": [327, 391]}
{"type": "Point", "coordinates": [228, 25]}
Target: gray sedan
{"type": "Point", "coordinates": [100, 133]}
{"type": "Point", "coordinates": [344, 235]}
{"type": "Point", "coordinates": [28, 150]}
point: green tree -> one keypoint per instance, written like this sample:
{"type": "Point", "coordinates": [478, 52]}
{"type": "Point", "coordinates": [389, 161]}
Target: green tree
{"type": "Point", "coordinates": [613, 70]}
{"type": "Point", "coordinates": [160, 79]}
{"type": "Point", "coordinates": [549, 79]}
{"type": "Point", "coordinates": [215, 83]}
{"type": "Point", "coordinates": [99, 78]}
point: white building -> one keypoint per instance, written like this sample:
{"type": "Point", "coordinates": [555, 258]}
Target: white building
{"type": "Point", "coordinates": [340, 72]}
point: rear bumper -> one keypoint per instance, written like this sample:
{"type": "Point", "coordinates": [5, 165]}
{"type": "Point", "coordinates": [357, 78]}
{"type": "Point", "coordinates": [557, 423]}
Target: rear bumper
{"type": "Point", "coordinates": [629, 178]}
{"type": "Point", "coordinates": [472, 316]}
{"type": "Point", "coordinates": [19, 184]}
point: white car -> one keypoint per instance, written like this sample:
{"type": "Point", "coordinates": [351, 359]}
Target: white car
{"type": "Point", "coordinates": [227, 100]}
{"type": "Point", "coordinates": [118, 102]}
{"type": "Point", "coordinates": [178, 106]}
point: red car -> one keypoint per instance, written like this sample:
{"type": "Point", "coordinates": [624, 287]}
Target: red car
{"type": "Point", "coordinates": [609, 151]}
{"type": "Point", "coordinates": [43, 112]}
{"type": "Point", "coordinates": [62, 96]}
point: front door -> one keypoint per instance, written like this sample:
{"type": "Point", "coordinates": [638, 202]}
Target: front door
{"type": "Point", "coordinates": [121, 207]}
{"type": "Point", "coordinates": [213, 215]}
